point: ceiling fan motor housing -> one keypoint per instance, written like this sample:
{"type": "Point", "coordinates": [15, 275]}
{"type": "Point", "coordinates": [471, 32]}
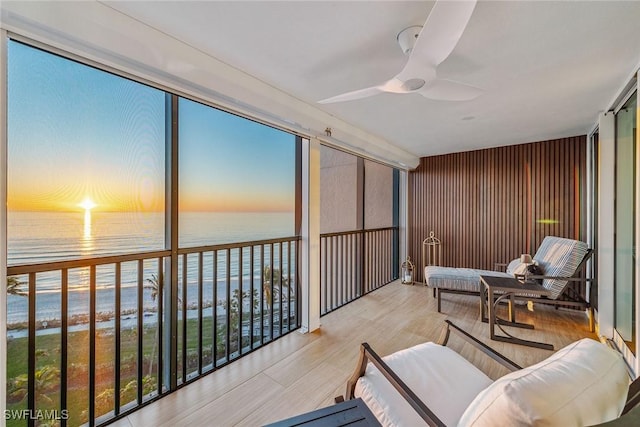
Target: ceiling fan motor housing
{"type": "Point", "coordinates": [407, 38]}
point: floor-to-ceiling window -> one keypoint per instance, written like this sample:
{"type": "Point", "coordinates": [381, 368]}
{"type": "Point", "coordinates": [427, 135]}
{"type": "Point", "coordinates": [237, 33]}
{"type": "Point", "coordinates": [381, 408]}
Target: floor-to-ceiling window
{"type": "Point", "coordinates": [625, 224]}
{"type": "Point", "coordinates": [143, 251]}
{"type": "Point", "coordinates": [237, 178]}
{"type": "Point", "coordinates": [85, 179]}
{"type": "Point", "coordinates": [237, 183]}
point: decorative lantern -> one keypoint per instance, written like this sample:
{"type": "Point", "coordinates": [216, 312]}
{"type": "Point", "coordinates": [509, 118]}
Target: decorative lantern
{"type": "Point", "coordinates": [406, 270]}
{"type": "Point", "coordinates": [431, 251]}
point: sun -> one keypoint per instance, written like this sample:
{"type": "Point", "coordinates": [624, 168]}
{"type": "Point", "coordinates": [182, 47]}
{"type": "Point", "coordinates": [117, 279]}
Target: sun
{"type": "Point", "coordinates": [87, 204]}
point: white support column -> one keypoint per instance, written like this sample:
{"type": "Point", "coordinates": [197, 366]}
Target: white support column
{"type": "Point", "coordinates": [404, 219]}
{"type": "Point", "coordinates": [3, 221]}
{"type": "Point", "coordinates": [310, 250]}
{"type": "Point", "coordinates": [606, 230]}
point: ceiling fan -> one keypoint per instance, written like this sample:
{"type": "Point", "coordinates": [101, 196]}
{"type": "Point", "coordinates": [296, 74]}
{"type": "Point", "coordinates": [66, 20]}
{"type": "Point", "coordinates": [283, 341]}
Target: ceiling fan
{"type": "Point", "coordinates": [427, 47]}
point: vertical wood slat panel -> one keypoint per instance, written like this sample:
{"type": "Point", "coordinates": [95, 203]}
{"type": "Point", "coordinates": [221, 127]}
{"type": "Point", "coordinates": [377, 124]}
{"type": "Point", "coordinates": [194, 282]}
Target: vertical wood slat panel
{"type": "Point", "coordinates": [491, 205]}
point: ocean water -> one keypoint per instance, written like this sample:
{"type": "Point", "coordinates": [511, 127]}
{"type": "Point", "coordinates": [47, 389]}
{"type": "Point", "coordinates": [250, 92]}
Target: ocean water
{"type": "Point", "coordinates": [44, 237]}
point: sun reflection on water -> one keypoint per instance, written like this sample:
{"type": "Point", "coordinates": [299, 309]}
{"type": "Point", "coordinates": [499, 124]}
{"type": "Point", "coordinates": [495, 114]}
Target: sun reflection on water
{"type": "Point", "coordinates": [87, 225]}
{"type": "Point", "coordinates": [87, 236]}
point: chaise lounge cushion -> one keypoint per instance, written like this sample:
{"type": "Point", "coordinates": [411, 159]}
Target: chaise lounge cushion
{"type": "Point", "coordinates": [582, 384]}
{"type": "Point", "coordinates": [442, 379]}
{"type": "Point", "coordinates": [460, 279]}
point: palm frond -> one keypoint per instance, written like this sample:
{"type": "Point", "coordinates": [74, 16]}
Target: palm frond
{"type": "Point", "coordinates": [14, 287]}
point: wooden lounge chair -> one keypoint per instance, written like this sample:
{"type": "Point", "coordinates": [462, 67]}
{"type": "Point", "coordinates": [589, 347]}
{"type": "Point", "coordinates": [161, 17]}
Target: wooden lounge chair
{"type": "Point", "coordinates": [585, 383]}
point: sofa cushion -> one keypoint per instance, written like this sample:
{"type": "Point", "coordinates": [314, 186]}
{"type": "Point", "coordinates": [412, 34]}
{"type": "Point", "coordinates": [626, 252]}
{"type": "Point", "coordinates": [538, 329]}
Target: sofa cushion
{"type": "Point", "coordinates": [445, 381]}
{"type": "Point", "coordinates": [582, 384]}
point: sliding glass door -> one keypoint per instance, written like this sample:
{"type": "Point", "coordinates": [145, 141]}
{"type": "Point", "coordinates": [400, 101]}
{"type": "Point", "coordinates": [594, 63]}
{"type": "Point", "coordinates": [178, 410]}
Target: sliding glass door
{"type": "Point", "coordinates": [625, 224]}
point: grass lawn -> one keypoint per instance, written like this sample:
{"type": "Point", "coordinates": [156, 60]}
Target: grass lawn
{"type": "Point", "coordinates": [48, 354]}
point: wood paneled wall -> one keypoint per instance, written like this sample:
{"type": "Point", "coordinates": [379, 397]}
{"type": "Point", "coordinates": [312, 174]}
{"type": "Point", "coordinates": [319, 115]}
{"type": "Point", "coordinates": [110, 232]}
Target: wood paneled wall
{"type": "Point", "coordinates": [492, 205]}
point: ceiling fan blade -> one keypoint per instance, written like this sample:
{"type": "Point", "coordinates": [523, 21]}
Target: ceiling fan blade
{"type": "Point", "coordinates": [439, 36]}
{"type": "Point", "coordinates": [394, 86]}
{"type": "Point", "coordinates": [448, 90]}
{"type": "Point", "coordinates": [356, 94]}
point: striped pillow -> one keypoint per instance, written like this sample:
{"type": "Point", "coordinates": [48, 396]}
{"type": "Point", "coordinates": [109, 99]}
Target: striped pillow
{"type": "Point", "coordinates": [558, 256]}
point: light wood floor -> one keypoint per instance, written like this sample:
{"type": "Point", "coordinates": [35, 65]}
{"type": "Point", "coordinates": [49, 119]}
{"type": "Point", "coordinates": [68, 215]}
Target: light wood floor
{"type": "Point", "coordinates": [299, 373]}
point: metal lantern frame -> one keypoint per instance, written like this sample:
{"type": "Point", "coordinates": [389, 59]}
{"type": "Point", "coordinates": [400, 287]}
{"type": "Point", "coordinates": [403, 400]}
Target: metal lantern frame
{"type": "Point", "coordinates": [431, 251]}
{"type": "Point", "coordinates": [406, 271]}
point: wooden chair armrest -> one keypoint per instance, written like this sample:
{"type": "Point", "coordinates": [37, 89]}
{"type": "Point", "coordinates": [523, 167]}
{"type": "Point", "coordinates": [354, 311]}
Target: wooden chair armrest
{"type": "Point", "coordinates": [361, 367]}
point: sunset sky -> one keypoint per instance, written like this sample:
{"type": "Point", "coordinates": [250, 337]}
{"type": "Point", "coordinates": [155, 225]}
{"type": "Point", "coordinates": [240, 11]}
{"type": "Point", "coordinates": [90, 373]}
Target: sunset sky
{"type": "Point", "coordinates": [78, 134]}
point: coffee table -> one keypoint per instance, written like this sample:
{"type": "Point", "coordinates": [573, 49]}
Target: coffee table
{"type": "Point", "coordinates": [351, 412]}
{"type": "Point", "coordinates": [495, 289]}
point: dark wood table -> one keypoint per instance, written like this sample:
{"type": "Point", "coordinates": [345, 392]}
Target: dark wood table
{"type": "Point", "coordinates": [351, 412]}
{"type": "Point", "coordinates": [495, 289]}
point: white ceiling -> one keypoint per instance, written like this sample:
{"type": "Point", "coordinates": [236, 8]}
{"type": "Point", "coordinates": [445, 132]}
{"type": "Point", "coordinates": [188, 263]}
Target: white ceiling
{"type": "Point", "coordinates": [547, 68]}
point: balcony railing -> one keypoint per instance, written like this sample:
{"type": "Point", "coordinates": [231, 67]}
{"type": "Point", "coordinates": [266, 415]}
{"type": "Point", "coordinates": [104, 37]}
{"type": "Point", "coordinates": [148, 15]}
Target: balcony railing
{"type": "Point", "coordinates": [354, 263]}
{"type": "Point", "coordinates": [97, 332]}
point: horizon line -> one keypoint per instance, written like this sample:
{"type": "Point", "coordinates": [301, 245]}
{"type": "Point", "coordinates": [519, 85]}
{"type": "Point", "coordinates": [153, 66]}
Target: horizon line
{"type": "Point", "coordinates": [82, 211]}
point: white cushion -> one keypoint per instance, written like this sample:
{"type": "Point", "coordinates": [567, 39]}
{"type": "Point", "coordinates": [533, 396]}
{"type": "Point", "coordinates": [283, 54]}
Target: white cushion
{"type": "Point", "coordinates": [521, 269]}
{"type": "Point", "coordinates": [445, 381]}
{"type": "Point", "coordinates": [582, 384]}
{"type": "Point", "coordinates": [514, 265]}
